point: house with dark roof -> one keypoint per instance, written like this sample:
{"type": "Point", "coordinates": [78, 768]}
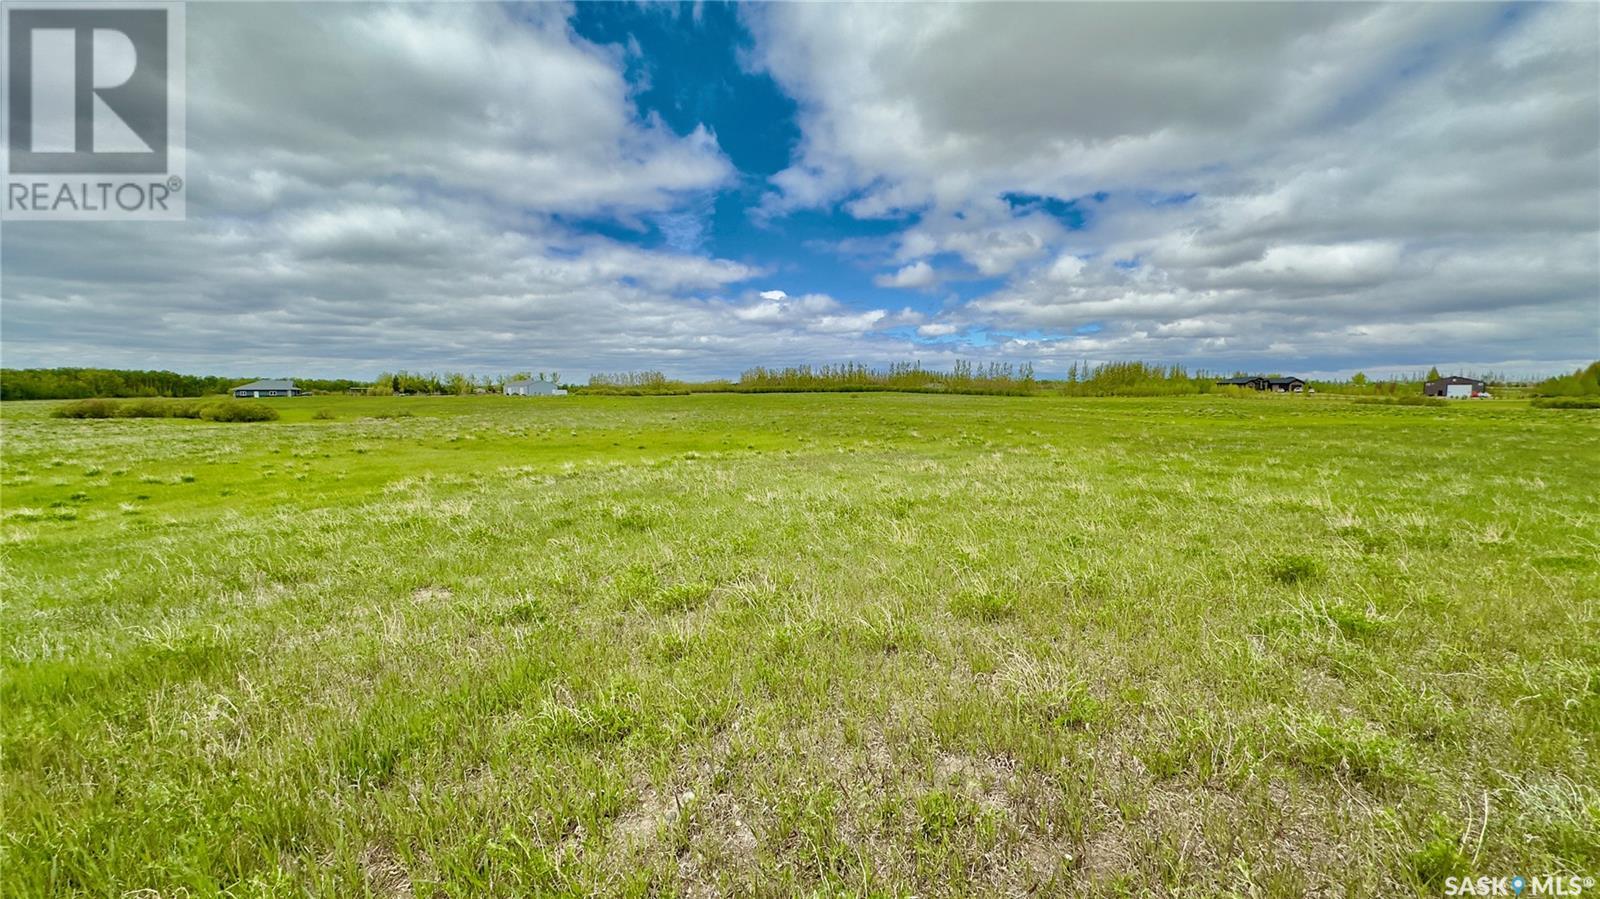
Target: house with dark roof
{"type": "Point", "coordinates": [1455, 387]}
{"type": "Point", "coordinates": [1261, 382]}
{"type": "Point", "coordinates": [1254, 382]}
{"type": "Point", "coordinates": [259, 389]}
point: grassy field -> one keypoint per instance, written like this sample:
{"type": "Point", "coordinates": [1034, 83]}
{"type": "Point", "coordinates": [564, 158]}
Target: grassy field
{"type": "Point", "coordinates": [841, 644]}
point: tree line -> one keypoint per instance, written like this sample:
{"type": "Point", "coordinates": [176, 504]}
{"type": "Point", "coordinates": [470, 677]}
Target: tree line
{"type": "Point", "coordinates": [85, 383]}
{"type": "Point", "coordinates": [998, 378]}
{"type": "Point", "coordinates": [1583, 382]}
{"type": "Point", "coordinates": [95, 383]}
{"type": "Point", "coordinates": [453, 383]}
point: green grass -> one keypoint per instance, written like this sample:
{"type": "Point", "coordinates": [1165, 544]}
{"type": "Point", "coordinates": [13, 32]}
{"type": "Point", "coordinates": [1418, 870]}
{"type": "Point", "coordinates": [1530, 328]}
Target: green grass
{"type": "Point", "coordinates": [841, 644]}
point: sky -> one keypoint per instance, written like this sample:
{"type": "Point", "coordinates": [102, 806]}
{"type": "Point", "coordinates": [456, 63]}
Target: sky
{"type": "Point", "coordinates": [1298, 188]}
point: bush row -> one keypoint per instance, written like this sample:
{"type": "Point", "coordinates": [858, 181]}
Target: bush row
{"type": "Point", "coordinates": [224, 410]}
{"type": "Point", "coordinates": [1568, 402]}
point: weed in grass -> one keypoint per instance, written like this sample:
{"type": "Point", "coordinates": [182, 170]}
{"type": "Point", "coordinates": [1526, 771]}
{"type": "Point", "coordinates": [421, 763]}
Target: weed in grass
{"type": "Point", "coordinates": [522, 612]}
{"type": "Point", "coordinates": [1441, 857]}
{"type": "Point", "coordinates": [1346, 748]}
{"type": "Point", "coordinates": [983, 606]}
{"type": "Point", "coordinates": [1295, 569]}
{"type": "Point", "coordinates": [679, 597]}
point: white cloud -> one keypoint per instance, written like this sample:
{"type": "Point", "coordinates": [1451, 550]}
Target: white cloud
{"type": "Point", "coordinates": [1066, 267]}
{"type": "Point", "coordinates": [1331, 180]}
{"type": "Point", "coordinates": [462, 97]}
{"type": "Point", "coordinates": [1330, 183]}
{"type": "Point", "coordinates": [917, 274]}
{"type": "Point", "coordinates": [818, 313]}
{"type": "Point", "coordinates": [403, 213]}
{"type": "Point", "coordinates": [1330, 265]}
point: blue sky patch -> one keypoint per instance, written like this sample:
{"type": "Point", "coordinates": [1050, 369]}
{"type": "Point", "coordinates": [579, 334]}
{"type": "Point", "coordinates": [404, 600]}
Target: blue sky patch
{"type": "Point", "coordinates": [1073, 214]}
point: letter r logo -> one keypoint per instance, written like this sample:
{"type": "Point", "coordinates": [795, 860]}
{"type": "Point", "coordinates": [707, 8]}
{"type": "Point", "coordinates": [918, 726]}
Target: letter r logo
{"type": "Point", "coordinates": [87, 90]}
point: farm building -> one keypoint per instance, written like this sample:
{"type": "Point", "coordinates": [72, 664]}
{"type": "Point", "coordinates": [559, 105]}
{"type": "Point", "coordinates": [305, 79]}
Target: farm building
{"type": "Point", "coordinates": [1454, 387]}
{"type": "Point", "coordinates": [1260, 382]}
{"type": "Point", "coordinates": [1254, 383]}
{"type": "Point", "coordinates": [258, 389]}
{"type": "Point", "coordinates": [533, 388]}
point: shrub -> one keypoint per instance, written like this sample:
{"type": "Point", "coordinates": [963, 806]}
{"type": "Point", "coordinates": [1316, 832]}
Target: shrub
{"type": "Point", "coordinates": [87, 409]}
{"type": "Point", "coordinates": [148, 408]}
{"type": "Point", "coordinates": [233, 411]}
{"type": "Point", "coordinates": [322, 415]}
{"type": "Point", "coordinates": [1584, 382]}
{"type": "Point", "coordinates": [1568, 402]}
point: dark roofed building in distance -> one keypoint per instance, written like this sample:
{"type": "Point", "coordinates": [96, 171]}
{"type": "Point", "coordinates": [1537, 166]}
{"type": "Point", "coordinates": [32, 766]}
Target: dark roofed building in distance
{"type": "Point", "coordinates": [258, 389]}
{"type": "Point", "coordinates": [1455, 387]}
{"type": "Point", "coordinates": [1262, 382]}
{"type": "Point", "coordinates": [1254, 383]}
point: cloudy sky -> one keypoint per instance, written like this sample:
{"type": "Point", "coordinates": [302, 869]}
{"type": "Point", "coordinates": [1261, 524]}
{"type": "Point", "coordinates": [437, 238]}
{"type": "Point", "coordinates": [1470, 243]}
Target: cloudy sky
{"type": "Point", "coordinates": [1265, 186]}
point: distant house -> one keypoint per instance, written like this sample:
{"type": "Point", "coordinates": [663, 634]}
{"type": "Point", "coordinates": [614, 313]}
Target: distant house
{"type": "Point", "coordinates": [533, 388]}
{"type": "Point", "coordinates": [1261, 382]}
{"type": "Point", "coordinates": [1454, 387]}
{"type": "Point", "coordinates": [1254, 383]}
{"type": "Point", "coordinates": [258, 389]}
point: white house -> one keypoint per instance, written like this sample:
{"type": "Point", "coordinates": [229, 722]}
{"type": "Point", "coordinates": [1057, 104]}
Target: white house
{"type": "Point", "coordinates": [533, 388]}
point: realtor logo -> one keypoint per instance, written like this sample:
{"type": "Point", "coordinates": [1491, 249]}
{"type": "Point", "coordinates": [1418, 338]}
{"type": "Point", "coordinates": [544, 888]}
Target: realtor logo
{"type": "Point", "coordinates": [94, 111]}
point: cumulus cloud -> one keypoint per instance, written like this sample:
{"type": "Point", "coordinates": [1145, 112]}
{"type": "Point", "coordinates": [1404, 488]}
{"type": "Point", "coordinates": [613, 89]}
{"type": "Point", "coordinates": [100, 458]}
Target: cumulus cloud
{"type": "Point", "coordinates": [402, 213]}
{"type": "Point", "coordinates": [1326, 186]}
{"type": "Point", "coordinates": [917, 274]}
{"type": "Point", "coordinates": [818, 313]}
{"type": "Point", "coordinates": [1305, 182]}
{"type": "Point", "coordinates": [478, 98]}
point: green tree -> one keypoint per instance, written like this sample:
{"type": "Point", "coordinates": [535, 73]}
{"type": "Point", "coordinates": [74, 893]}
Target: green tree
{"type": "Point", "coordinates": [1433, 373]}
